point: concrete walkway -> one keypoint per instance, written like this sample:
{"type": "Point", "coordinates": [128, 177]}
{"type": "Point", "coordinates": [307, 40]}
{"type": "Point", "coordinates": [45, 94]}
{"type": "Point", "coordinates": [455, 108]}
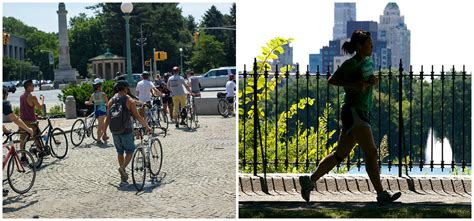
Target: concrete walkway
{"type": "Point", "coordinates": [355, 189]}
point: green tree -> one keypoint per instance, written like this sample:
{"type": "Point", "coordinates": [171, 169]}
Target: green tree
{"type": "Point", "coordinates": [207, 54]}
{"type": "Point", "coordinates": [85, 41]}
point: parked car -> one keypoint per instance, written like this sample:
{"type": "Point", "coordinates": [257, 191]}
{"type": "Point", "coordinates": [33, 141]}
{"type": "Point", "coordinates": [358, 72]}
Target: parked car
{"type": "Point", "coordinates": [217, 77]}
{"type": "Point", "coordinates": [137, 77]}
{"type": "Point", "coordinates": [11, 87]}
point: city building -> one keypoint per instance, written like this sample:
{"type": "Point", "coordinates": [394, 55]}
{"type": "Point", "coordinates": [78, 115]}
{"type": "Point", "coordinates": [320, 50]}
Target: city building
{"type": "Point", "coordinates": [329, 52]}
{"type": "Point", "coordinates": [394, 31]}
{"type": "Point", "coordinates": [15, 48]}
{"type": "Point", "coordinates": [106, 66]}
{"type": "Point", "coordinates": [315, 60]}
{"type": "Point", "coordinates": [343, 12]}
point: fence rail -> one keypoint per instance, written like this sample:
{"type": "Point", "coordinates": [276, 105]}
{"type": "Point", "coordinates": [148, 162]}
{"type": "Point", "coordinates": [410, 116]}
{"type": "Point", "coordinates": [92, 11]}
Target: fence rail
{"type": "Point", "coordinates": [399, 95]}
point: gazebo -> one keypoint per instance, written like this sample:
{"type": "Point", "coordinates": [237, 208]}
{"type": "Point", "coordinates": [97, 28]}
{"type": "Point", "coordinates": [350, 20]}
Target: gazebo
{"type": "Point", "coordinates": [106, 65]}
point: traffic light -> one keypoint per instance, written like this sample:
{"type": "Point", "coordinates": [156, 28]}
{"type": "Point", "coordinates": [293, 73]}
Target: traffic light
{"type": "Point", "coordinates": [6, 38]}
{"type": "Point", "coordinates": [196, 37]}
{"type": "Point", "coordinates": [161, 55]}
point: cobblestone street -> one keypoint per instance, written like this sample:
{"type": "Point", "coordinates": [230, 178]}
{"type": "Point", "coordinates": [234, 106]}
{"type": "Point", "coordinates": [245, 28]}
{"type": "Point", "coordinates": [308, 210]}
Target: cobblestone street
{"type": "Point", "coordinates": [197, 180]}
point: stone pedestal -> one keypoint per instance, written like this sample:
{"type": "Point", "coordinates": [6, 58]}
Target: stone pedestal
{"type": "Point", "coordinates": [64, 74]}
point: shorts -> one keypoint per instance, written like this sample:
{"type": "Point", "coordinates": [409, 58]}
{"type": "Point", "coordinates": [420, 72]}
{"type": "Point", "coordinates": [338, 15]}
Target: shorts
{"type": "Point", "coordinates": [352, 118]}
{"type": "Point", "coordinates": [99, 113]}
{"type": "Point", "coordinates": [178, 101]}
{"type": "Point", "coordinates": [167, 99]}
{"type": "Point", "coordinates": [30, 124]}
{"type": "Point", "coordinates": [230, 100]}
{"type": "Point", "coordinates": [124, 143]}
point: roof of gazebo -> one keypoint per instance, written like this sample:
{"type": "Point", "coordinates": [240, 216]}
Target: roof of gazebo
{"type": "Point", "coordinates": [107, 56]}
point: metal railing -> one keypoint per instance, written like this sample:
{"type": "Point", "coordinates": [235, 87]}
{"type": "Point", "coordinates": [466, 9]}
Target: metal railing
{"type": "Point", "coordinates": [399, 95]}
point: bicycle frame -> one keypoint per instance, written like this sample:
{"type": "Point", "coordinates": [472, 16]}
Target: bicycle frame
{"type": "Point", "coordinates": [12, 153]}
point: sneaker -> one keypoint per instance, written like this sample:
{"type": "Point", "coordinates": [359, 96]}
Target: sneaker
{"type": "Point", "coordinates": [306, 187]}
{"type": "Point", "coordinates": [123, 174]}
{"type": "Point", "coordinates": [177, 124]}
{"type": "Point", "coordinates": [386, 197]}
{"type": "Point", "coordinates": [183, 123]}
{"type": "Point", "coordinates": [99, 142]}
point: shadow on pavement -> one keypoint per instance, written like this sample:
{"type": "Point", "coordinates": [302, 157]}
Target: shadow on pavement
{"type": "Point", "coordinates": [7, 201]}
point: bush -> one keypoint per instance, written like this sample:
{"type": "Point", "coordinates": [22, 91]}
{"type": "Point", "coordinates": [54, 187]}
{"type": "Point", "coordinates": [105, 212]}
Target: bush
{"type": "Point", "coordinates": [56, 112]}
{"type": "Point", "coordinates": [82, 93]}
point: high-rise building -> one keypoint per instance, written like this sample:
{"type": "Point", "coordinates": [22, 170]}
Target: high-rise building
{"type": "Point", "coordinates": [343, 12]}
{"type": "Point", "coordinates": [315, 60]}
{"type": "Point", "coordinates": [329, 52]}
{"type": "Point", "coordinates": [394, 31]}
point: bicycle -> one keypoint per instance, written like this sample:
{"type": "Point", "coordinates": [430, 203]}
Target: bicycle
{"type": "Point", "coordinates": [24, 165]}
{"type": "Point", "coordinates": [142, 161]}
{"type": "Point", "coordinates": [154, 115]}
{"type": "Point", "coordinates": [56, 137]}
{"type": "Point", "coordinates": [83, 128]}
{"type": "Point", "coordinates": [191, 112]}
{"type": "Point", "coordinates": [224, 107]}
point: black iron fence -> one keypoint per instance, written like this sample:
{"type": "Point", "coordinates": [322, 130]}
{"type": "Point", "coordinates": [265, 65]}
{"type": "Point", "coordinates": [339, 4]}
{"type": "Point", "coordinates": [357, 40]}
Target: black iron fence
{"type": "Point", "coordinates": [289, 121]}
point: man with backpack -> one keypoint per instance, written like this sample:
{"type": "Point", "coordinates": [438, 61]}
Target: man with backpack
{"type": "Point", "coordinates": [121, 108]}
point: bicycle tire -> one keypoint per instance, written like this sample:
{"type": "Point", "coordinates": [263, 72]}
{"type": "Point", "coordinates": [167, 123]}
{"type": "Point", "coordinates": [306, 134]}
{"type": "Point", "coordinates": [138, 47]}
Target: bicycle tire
{"type": "Point", "coordinates": [163, 121]}
{"type": "Point", "coordinates": [13, 162]}
{"type": "Point", "coordinates": [222, 107]}
{"type": "Point", "coordinates": [15, 136]}
{"type": "Point", "coordinates": [33, 149]}
{"type": "Point", "coordinates": [54, 138]}
{"type": "Point", "coordinates": [195, 116]}
{"type": "Point", "coordinates": [156, 152]}
{"type": "Point", "coordinates": [189, 119]}
{"type": "Point", "coordinates": [80, 130]}
{"type": "Point", "coordinates": [94, 128]}
{"type": "Point", "coordinates": [138, 167]}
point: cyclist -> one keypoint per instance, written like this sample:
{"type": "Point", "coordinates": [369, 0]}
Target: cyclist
{"type": "Point", "coordinates": [145, 88]}
{"type": "Point", "coordinates": [28, 103]}
{"type": "Point", "coordinates": [175, 84]}
{"type": "Point", "coordinates": [99, 99]}
{"type": "Point", "coordinates": [121, 109]}
{"type": "Point", "coordinates": [166, 99]}
{"type": "Point", "coordinates": [193, 83]}
{"type": "Point", "coordinates": [230, 91]}
{"type": "Point", "coordinates": [8, 114]}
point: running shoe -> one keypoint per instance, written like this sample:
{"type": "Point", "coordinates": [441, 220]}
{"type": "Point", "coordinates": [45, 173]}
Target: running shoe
{"type": "Point", "coordinates": [306, 187]}
{"type": "Point", "coordinates": [123, 174]}
{"type": "Point", "coordinates": [386, 197]}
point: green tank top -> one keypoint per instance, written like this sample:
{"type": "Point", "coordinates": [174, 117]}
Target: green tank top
{"type": "Point", "coordinates": [354, 70]}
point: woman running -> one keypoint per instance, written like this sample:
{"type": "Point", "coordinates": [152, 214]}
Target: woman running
{"type": "Point", "coordinates": [356, 77]}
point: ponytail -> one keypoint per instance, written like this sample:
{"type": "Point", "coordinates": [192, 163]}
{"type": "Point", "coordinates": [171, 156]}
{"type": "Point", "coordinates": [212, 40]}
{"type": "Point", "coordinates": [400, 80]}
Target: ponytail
{"type": "Point", "coordinates": [359, 37]}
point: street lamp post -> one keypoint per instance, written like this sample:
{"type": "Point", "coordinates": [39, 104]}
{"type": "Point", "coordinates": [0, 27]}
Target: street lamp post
{"type": "Point", "coordinates": [181, 60]}
{"type": "Point", "coordinates": [127, 8]}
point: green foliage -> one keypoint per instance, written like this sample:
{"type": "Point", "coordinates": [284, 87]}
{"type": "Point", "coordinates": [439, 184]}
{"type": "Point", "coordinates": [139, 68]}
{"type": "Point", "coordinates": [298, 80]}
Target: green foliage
{"type": "Point", "coordinates": [13, 69]}
{"type": "Point", "coordinates": [207, 54]}
{"type": "Point", "coordinates": [39, 45]}
{"type": "Point", "coordinates": [83, 92]}
{"type": "Point", "coordinates": [275, 137]}
{"type": "Point", "coordinates": [56, 112]}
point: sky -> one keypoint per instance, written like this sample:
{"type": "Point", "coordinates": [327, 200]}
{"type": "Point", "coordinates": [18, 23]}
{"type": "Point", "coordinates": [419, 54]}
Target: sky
{"type": "Point", "coordinates": [43, 16]}
{"type": "Point", "coordinates": [441, 31]}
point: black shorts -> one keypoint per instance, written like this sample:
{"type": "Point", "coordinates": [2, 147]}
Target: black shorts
{"type": "Point", "coordinates": [167, 99]}
{"type": "Point", "coordinates": [230, 100]}
{"type": "Point", "coordinates": [352, 118]}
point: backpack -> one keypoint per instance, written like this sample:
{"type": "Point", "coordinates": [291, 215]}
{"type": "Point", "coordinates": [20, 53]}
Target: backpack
{"type": "Point", "coordinates": [119, 116]}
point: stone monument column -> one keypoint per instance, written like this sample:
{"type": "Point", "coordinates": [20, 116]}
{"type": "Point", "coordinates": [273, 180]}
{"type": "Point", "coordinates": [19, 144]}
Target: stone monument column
{"type": "Point", "coordinates": [65, 73]}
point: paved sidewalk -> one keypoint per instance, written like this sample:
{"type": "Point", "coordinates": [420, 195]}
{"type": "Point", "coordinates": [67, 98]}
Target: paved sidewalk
{"type": "Point", "coordinates": [349, 189]}
{"type": "Point", "coordinates": [197, 180]}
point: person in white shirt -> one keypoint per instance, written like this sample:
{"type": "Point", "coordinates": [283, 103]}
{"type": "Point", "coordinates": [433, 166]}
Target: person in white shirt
{"type": "Point", "coordinates": [230, 91]}
{"type": "Point", "coordinates": [145, 88]}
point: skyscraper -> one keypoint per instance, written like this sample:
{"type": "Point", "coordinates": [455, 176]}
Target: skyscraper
{"type": "Point", "coordinates": [343, 12]}
{"type": "Point", "coordinates": [393, 30]}
{"type": "Point", "coordinates": [286, 58]}
{"type": "Point", "coordinates": [315, 60]}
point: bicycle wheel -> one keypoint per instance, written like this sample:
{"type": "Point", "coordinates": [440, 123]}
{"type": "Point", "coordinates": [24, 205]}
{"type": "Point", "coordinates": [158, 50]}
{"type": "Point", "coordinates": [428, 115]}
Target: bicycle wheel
{"type": "Point", "coordinates": [78, 132]}
{"type": "Point", "coordinates": [189, 118]}
{"type": "Point", "coordinates": [58, 143]}
{"type": "Point", "coordinates": [21, 175]}
{"type": "Point", "coordinates": [94, 128]}
{"type": "Point", "coordinates": [222, 107]}
{"type": "Point", "coordinates": [163, 121]}
{"type": "Point", "coordinates": [32, 146]}
{"type": "Point", "coordinates": [138, 168]}
{"type": "Point", "coordinates": [195, 116]}
{"type": "Point", "coordinates": [156, 158]}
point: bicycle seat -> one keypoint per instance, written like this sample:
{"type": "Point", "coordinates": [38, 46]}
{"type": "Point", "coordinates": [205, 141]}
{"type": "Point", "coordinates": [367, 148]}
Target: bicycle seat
{"type": "Point", "coordinates": [36, 123]}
